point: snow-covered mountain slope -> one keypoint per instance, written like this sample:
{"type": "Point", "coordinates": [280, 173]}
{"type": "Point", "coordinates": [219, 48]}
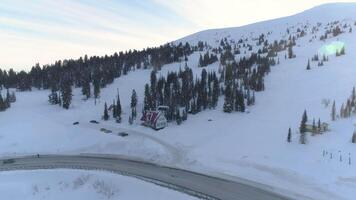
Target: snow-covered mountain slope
{"type": "Point", "coordinates": [324, 14]}
{"type": "Point", "coordinates": [250, 145]}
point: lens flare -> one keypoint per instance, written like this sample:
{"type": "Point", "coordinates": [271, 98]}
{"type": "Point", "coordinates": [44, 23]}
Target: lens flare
{"type": "Point", "coordinates": [331, 48]}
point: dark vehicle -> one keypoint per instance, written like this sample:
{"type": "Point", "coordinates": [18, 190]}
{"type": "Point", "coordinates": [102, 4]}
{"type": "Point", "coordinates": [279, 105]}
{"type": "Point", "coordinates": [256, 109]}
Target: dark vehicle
{"type": "Point", "coordinates": [75, 123]}
{"type": "Point", "coordinates": [94, 122]}
{"type": "Point", "coordinates": [123, 134]}
{"type": "Point", "coordinates": [8, 161]}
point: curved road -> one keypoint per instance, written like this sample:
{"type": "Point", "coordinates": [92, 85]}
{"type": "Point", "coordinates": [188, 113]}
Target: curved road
{"type": "Point", "coordinates": [192, 183]}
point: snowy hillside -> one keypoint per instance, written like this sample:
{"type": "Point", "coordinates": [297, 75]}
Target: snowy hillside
{"type": "Point", "coordinates": [249, 145]}
{"type": "Point", "coordinates": [72, 184]}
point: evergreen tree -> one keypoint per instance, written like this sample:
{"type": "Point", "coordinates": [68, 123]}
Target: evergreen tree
{"type": "Point", "coordinates": [308, 65]}
{"type": "Point", "coordinates": [118, 108]}
{"type": "Point", "coordinates": [289, 137]}
{"type": "Point", "coordinates": [303, 129]}
{"type": "Point", "coordinates": [8, 99]}
{"type": "Point", "coordinates": [96, 85]}
{"type": "Point", "coordinates": [86, 89]}
{"type": "Point", "coordinates": [114, 110]}
{"type": "Point", "coordinates": [66, 91]}
{"type": "Point", "coordinates": [53, 98]}
{"type": "Point", "coordinates": [319, 126]}
{"type": "Point", "coordinates": [353, 140]}
{"type": "Point", "coordinates": [147, 99]}
{"type": "Point", "coordinates": [201, 64]}
{"type": "Point", "coordinates": [216, 93]}
{"type": "Point", "coordinates": [333, 112]}
{"type": "Point", "coordinates": [303, 123]}
{"type": "Point", "coordinates": [314, 127]}
{"type": "Point", "coordinates": [228, 102]}
{"type": "Point", "coordinates": [2, 103]}
{"type": "Point", "coordinates": [290, 52]}
{"type": "Point", "coordinates": [303, 138]}
{"type": "Point", "coordinates": [342, 111]}
{"type": "Point", "coordinates": [106, 114]}
{"type": "Point", "coordinates": [153, 90]}
{"type": "Point", "coordinates": [133, 104]}
{"type": "Point", "coordinates": [130, 120]}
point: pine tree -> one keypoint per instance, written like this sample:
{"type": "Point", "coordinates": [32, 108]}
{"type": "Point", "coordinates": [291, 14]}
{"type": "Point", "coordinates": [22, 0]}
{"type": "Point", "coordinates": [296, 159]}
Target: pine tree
{"type": "Point", "coordinates": [53, 98]}
{"type": "Point", "coordinates": [303, 123]}
{"type": "Point", "coordinates": [303, 138]}
{"type": "Point", "coordinates": [353, 140]}
{"type": "Point", "coordinates": [319, 126]}
{"type": "Point", "coordinates": [342, 111]}
{"type": "Point", "coordinates": [308, 65]}
{"type": "Point", "coordinates": [66, 91]}
{"type": "Point", "coordinates": [147, 99]}
{"type": "Point", "coordinates": [314, 127]}
{"type": "Point", "coordinates": [133, 104]}
{"type": "Point", "coordinates": [130, 120]}
{"type": "Point", "coordinates": [86, 89]}
{"type": "Point", "coordinates": [201, 64]}
{"type": "Point", "coordinates": [333, 112]}
{"type": "Point", "coordinates": [289, 137]}
{"type": "Point", "coordinates": [114, 110]}
{"type": "Point", "coordinates": [8, 99]}
{"type": "Point", "coordinates": [2, 103]}
{"type": "Point", "coordinates": [118, 108]}
{"type": "Point", "coordinates": [96, 85]}
{"type": "Point", "coordinates": [228, 103]}
{"type": "Point", "coordinates": [290, 52]}
{"type": "Point", "coordinates": [153, 81]}
{"type": "Point", "coordinates": [106, 114]}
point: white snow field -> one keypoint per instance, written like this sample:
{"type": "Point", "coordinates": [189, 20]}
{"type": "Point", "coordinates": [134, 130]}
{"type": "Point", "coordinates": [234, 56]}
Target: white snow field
{"type": "Point", "coordinates": [75, 184]}
{"type": "Point", "coordinates": [249, 145]}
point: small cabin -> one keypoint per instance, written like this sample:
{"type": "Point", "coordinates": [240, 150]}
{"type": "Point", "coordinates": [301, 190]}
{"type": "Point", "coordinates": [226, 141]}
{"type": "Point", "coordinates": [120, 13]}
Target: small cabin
{"type": "Point", "coordinates": [154, 119]}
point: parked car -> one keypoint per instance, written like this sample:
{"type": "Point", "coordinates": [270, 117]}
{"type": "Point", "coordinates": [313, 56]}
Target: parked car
{"type": "Point", "coordinates": [94, 122]}
{"type": "Point", "coordinates": [123, 134]}
{"type": "Point", "coordinates": [8, 161]}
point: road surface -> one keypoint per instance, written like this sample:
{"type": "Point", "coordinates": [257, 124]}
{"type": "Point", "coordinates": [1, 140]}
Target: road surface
{"type": "Point", "coordinates": [203, 186]}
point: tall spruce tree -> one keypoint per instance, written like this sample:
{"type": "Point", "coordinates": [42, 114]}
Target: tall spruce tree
{"type": "Point", "coordinates": [303, 124]}
{"type": "Point", "coordinates": [147, 99]}
{"type": "Point", "coordinates": [118, 108]}
{"type": "Point", "coordinates": [289, 137]}
{"type": "Point", "coordinates": [308, 65]}
{"type": "Point", "coordinates": [133, 104]}
{"type": "Point", "coordinates": [333, 112]}
{"type": "Point", "coordinates": [106, 113]}
{"type": "Point", "coordinates": [2, 103]}
{"type": "Point", "coordinates": [353, 140]}
{"type": "Point", "coordinates": [66, 92]}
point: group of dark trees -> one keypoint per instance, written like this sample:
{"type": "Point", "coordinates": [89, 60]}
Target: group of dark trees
{"type": "Point", "coordinates": [181, 94]}
{"type": "Point", "coordinates": [115, 109]}
{"type": "Point", "coordinates": [207, 59]}
{"type": "Point", "coordinates": [5, 102]}
{"type": "Point", "coordinates": [89, 72]}
{"type": "Point", "coordinates": [347, 109]}
{"type": "Point", "coordinates": [241, 79]}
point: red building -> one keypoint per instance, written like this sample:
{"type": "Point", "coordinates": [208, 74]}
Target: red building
{"type": "Point", "coordinates": [154, 119]}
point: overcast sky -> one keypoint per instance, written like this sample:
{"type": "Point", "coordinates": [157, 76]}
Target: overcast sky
{"type": "Point", "coordinates": [43, 31]}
